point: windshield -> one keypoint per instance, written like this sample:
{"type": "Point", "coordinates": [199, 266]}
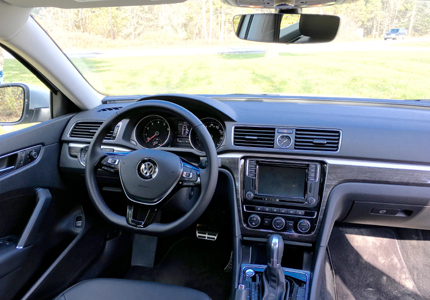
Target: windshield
{"type": "Point", "coordinates": [394, 30]}
{"type": "Point", "coordinates": [191, 48]}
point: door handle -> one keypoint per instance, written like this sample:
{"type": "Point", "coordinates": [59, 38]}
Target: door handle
{"type": "Point", "coordinates": [29, 234]}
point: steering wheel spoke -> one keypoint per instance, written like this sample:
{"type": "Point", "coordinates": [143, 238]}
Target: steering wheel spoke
{"type": "Point", "coordinates": [141, 216]}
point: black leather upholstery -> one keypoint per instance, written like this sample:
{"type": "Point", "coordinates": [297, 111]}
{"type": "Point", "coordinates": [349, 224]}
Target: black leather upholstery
{"type": "Point", "coordinates": [122, 289]}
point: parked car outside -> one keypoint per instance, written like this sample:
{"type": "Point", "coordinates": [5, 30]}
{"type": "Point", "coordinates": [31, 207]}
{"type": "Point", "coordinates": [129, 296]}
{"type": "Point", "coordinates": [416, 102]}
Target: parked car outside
{"type": "Point", "coordinates": [395, 33]}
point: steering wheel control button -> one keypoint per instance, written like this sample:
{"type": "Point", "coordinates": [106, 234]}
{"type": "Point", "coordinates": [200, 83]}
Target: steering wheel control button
{"type": "Point", "coordinates": [190, 175]}
{"type": "Point", "coordinates": [110, 163]}
{"type": "Point", "coordinates": [254, 221]}
{"type": "Point", "coordinates": [304, 226]}
{"type": "Point", "coordinates": [278, 223]}
{"type": "Point", "coordinates": [113, 161]}
{"type": "Point", "coordinates": [249, 195]}
{"type": "Point", "coordinates": [148, 168]}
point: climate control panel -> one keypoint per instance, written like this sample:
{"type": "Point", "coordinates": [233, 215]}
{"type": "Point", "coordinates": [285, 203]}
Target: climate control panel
{"type": "Point", "coordinates": [279, 219]}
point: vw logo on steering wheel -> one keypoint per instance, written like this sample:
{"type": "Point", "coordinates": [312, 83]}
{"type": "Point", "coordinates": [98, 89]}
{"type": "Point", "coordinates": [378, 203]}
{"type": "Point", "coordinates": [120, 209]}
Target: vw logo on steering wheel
{"type": "Point", "coordinates": [148, 168]}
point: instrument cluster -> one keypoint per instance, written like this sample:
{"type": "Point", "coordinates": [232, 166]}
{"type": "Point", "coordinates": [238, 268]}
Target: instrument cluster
{"type": "Point", "coordinates": [155, 131]}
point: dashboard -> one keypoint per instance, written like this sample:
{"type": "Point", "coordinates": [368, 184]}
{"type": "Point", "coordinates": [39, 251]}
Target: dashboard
{"type": "Point", "coordinates": [156, 130]}
{"type": "Point", "coordinates": [288, 159]}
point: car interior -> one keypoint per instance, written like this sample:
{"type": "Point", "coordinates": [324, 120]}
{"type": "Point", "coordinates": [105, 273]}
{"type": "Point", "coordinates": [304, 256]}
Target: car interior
{"type": "Point", "coordinates": [190, 196]}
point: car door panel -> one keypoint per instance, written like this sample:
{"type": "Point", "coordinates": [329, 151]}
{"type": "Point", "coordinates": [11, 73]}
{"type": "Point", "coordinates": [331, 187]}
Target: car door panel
{"type": "Point", "coordinates": [28, 215]}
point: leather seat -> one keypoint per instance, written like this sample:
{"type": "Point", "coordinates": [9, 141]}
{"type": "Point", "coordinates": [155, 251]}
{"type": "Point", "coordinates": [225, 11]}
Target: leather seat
{"type": "Point", "coordinates": [122, 289]}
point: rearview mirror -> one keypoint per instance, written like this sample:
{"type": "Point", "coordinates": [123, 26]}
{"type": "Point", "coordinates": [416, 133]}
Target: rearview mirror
{"type": "Point", "coordinates": [286, 28]}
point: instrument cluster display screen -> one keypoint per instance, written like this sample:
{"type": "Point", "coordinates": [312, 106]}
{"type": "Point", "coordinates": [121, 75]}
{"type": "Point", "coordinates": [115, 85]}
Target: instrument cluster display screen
{"type": "Point", "coordinates": [281, 181]}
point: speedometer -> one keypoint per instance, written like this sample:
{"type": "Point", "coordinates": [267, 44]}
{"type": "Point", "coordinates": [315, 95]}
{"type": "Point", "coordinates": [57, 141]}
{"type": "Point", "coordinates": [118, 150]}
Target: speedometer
{"type": "Point", "coordinates": [216, 130]}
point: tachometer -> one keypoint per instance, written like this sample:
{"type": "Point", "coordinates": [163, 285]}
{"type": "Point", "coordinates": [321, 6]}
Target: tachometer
{"type": "Point", "coordinates": [216, 130]}
{"type": "Point", "coordinates": [154, 133]}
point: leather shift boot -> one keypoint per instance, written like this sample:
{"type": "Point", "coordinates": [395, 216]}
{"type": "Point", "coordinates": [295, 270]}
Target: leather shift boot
{"type": "Point", "coordinates": [274, 283]}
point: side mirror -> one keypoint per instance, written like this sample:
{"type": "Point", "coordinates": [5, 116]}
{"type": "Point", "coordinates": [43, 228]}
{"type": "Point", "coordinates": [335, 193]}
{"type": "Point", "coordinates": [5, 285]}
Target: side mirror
{"type": "Point", "coordinates": [286, 28]}
{"type": "Point", "coordinates": [22, 103]}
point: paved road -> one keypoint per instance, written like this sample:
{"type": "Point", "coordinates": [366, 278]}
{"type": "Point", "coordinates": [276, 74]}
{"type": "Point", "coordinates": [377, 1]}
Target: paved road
{"type": "Point", "coordinates": [377, 45]}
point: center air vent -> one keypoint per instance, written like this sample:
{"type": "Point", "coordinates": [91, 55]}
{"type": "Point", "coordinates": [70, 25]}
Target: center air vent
{"type": "Point", "coordinates": [317, 139]}
{"type": "Point", "coordinates": [87, 130]}
{"type": "Point", "coordinates": [260, 137]}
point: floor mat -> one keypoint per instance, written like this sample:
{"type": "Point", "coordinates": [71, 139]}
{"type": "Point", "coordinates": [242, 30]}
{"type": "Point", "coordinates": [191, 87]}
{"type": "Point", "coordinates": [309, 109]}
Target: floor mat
{"type": "Point", "coordinates": [380, 263]}
{"type": "Point", "coordinates": [192, 263]}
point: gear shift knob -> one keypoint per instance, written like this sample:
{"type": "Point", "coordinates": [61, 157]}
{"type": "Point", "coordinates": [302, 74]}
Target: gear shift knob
{"type": "Point", "coordinates": [275, 250]}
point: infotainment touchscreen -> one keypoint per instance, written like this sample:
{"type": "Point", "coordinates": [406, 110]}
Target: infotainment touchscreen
{"type": "Point", "coordinates": [281, 181]}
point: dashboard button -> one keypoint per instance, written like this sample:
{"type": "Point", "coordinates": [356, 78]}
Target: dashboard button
{"type": "Point", "coordinates": [284, 130]}
{"type": "Point", "coordinates": [303, 226]}
{"type": "Point", "coordinates": [300, 212]}
{"type": "Point", "coordinates": [254, 221]}
{"type": "Point", "coordinates": [259, 208]}
{"type": "Point", "coordinates": [278, 223]}
{"type": "Point", "coordinates": [291, 212]}
{"type": "Point", "coordinates": [312, 200]}
{"type": "Point", "coordinates": [283, 211]}
{"type": "Point", "coordinates": [267, 222]}
{"type": "Point", "coordinates": [249, 195]}
{"type": "Point", "coordinates": [276, 209]}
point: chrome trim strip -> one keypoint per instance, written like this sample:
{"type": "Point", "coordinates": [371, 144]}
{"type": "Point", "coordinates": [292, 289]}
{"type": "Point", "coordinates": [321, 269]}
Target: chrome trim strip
{"type": "Point", "coordinates": [333, 161]}
{"type": "Point", "coordinates": [116, 148]}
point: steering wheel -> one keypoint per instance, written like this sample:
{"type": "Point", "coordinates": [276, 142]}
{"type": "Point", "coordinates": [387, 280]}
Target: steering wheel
{"type": "Point", "coordinates": [149, 177]}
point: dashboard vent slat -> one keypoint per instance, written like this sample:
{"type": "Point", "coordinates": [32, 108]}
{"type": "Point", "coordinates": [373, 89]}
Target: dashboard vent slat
{"type": "Point", "coordinates": [317, 139]}
{"type": "Point", "coordinates": [259, 137]}
{"type": "Point", "coordinates": [110, 109]}
{"type": "Point", "coordinates": [87, 130]}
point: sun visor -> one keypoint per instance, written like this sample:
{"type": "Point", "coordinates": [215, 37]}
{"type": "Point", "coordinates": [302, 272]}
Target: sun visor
{"type": "Point", "coordinates": [87, 3]}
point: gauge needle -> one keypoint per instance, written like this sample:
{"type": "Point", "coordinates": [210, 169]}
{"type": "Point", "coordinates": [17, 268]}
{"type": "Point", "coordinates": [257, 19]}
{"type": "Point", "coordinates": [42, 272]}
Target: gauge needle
{"type": "Point", "coordinates": [151, 138]}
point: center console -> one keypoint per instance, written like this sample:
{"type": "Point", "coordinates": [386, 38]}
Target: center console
{"type": "Point", "coordinates": [281, 196]}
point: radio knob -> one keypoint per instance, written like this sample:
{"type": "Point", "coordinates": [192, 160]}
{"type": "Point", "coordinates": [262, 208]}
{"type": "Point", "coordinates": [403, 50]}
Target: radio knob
{"type": "Point", "coordinates": [312, 200]}
{"type": "Point", "coordinates": [303, 226]}
{"type": "Point", "coordinates": [254, 221]}
{"type": "Point", "coordinates": [278, 223]}
{"type": "Point", "coordinates": [249, 195]}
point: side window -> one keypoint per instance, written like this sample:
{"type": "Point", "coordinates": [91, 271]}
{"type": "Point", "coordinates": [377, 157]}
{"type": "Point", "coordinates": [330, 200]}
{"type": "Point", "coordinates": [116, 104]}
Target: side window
{"type": "Point", "coordinates": [24, 99]}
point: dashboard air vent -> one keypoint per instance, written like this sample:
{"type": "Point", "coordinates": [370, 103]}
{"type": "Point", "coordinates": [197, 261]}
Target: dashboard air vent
{"type": "Point", "coordinates": [260, 137]}
{"type": "Point", "coordinates": [317, 139]}
{"type": "Point", "coordinates": [110, 109]}
{"type": "Point", "coordinates": [87, 130]}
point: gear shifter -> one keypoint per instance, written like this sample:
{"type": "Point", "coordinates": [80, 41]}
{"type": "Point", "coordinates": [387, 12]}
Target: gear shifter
{"type": "Point", "coordinates": [273, 278]}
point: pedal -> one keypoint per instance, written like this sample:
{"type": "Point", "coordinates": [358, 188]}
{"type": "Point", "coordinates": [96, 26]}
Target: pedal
{"type": "Point", "coordinates": [204, 232]}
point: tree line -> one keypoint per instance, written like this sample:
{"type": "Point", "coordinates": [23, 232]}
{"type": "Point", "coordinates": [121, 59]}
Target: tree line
{"type": "Point", "coordinates": [211, 20]}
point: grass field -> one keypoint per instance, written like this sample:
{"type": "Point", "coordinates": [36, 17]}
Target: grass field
{"type": "Point", "coordinates": [391, 74]}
